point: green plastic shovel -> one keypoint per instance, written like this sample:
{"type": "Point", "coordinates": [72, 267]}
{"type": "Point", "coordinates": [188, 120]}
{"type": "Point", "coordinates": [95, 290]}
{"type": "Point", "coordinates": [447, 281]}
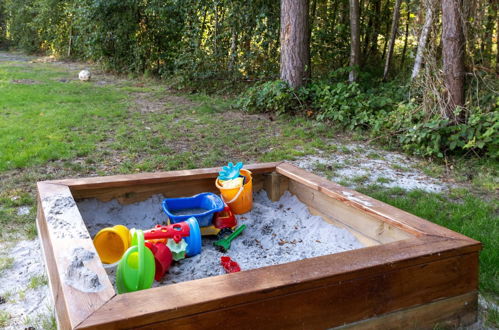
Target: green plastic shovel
{"type": "Point", "coordinates": [136, 268]}
{"type": "Point", "coordinates": [224, 243]}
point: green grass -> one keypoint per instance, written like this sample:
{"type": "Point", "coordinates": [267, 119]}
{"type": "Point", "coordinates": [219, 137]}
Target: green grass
{"type": "Point", "coordinates": [5, 263]}
{"type": "Point", "coordinates": [492, 318]}
{"type": "Point", "coordinates": [44, 321]}
{"type": "Point", "coordinates": [383, 180]}
{"type": "Point", "coordinates": [37, 281]}
{"type": "Point", "coordinates": [52, 120]}
{"type": "Point", "coordinates": [4, 318]}
{"type": "Point", "coordinates": [51, 130]}
{"type": "Point", "coordinates": [462, 212]}
{"type": "Point", "coordinates": [360, 179]}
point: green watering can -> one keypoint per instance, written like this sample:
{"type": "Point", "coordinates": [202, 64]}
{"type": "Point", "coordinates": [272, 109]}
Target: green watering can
{"type": "Point", "coordinates": [136, 268]}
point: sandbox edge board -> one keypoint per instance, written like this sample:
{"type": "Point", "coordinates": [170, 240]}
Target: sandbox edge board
{"type": "Point", "coordinates": [403, 246]}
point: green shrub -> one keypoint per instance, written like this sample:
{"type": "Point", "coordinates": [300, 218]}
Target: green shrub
{"type": "Point", "coordinates": [384, 112]}
{"type": "Point", "coordinates": [437, 136]}
{"type": "Point", "coordinates": [272, 96]}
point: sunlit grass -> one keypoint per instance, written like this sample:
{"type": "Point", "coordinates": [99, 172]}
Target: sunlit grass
{"type": "Point", "coordinates": [45, 119]}
{"type": "Point", "coordinates": [461, 212]}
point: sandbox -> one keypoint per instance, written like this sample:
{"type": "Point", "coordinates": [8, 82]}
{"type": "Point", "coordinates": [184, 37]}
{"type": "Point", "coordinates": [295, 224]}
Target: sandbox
{"type": "Point", "coordinates": [394, 270]}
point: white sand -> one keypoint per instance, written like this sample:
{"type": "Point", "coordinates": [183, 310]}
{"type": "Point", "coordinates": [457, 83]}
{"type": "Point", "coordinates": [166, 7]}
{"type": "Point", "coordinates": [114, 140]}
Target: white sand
{"type": "Point", "coordinates": [276, 233]}
{"type": "Point", "coordinates": [25, 305]}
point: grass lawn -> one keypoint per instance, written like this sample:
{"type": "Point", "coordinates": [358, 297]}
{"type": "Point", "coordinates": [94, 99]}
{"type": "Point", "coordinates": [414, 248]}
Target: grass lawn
{"type": "Point", "coordinates": [53, 126]}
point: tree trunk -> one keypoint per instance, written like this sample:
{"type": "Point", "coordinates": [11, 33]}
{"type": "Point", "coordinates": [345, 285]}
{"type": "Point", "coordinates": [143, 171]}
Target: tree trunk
{"type": "Point", "coordinates": [367, 35]}
{"type": "Point", "coordinates": [310, 28]}
{"type": "Point", "coordinates": [393, 35]}
{"type": "Point", "coordinates": [386, 16]}
{"type": "Point", "coordinates": [376, 27]}
{"type": "Point", "coordinates": [233, 50]}
{"type": "Point", "coordinates": [423, 37]}
{"type": "Point", "coordinates": [487, 33]}
{"type": "Point", "coordinates": [453, 51]}
{"type": "Point", "coordinates": [407, 22]}
{"type": "Point", "coordinates": [201, 31]}
{"type": "Point", "coordinates": [497, 44]}
{"type": "Point", "coordinates": [215, 37]}
{"type": "Point", "coordinates": [295, 45]}
{"type": "Point", "coordinates": [354, 39]}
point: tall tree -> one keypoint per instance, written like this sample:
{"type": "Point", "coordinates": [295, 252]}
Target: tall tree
{"type": "Point", "coordinates": [453, 52]}
{"type": "Point", "coordinates": [295, 45]}
{"type": "Point", "coordinates": [497, 40]}
{"type": "Point", "coordinates": [407, 23]}
{"type": "Point", "coordinates": [354, 39]}
{"type": "Point", "coordinates": [393, 35]}
{"type": "Point", "coordinates": [423, 37]}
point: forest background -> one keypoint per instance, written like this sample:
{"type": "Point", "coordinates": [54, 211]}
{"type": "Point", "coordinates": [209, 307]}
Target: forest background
{"type": "Point", "coordinates": [418, 75]}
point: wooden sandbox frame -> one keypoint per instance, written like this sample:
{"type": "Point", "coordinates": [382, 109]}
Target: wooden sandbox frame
{"type": "Point", "coordinates": [412, 273]}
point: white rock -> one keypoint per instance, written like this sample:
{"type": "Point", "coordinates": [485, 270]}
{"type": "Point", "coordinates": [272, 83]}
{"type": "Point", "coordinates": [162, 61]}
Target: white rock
{"type": "Point", "coordinates": [84, 75]}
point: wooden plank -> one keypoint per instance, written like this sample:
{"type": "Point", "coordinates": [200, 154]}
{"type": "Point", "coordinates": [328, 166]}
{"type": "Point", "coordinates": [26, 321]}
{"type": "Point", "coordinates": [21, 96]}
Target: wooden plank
{"type": "Point", "coordinates": [61, 231]}
{"type": "Point", "coordinates": [292, 291]}
{"type": "Point", "coordinates": [370, 226]}
{"type": "Point", "coordinates": [273, 185]}
{"type": "Point", "coordinates": [366, 241]}
{"type": "Point", "coordinates": [63, 318]}
{"type": "Point", "coordinates": [326, 304]}
{"type": "Point", "coordinates": [157, 177]}
{"type": "Point", "coordinates": [454, 312]}
{"type": "Point", "coordinates": [391, 215]}
{"type": "Point", "coordinates": [139, 192]}
{"type": "Point", "coordinates": [254, 286]}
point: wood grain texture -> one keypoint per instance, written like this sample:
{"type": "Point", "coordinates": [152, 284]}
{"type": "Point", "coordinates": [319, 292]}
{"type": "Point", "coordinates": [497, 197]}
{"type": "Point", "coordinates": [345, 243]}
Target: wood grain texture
{"type": "Point", "coordinates": [247, 287]}
{"type": "Point", "coordinates": [273, 185]}
{"type": "Point", "coordinates": [361, 237]}
{"type": "Point", "coordinates": [60, 233]}
{"type": "Point", "coordinates": [387, 213]}
{"type": "Point", "coordinates": [445, 313]}
{"type": "Point", "coordinates": [358, 220]}
{"type": "Point", "coordinates": [158, 177]}
{"type": "Point", "coordinates": [327, 303]}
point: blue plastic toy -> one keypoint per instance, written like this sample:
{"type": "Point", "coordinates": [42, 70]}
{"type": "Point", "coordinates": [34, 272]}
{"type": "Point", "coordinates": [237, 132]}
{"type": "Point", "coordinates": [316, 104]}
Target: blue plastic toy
{"type": "Point", "coordinates": [230, 171]}
{"type": "Point", "coordinates": [201, 206]}
{"type": "Point", "coordinates": [194, 239]}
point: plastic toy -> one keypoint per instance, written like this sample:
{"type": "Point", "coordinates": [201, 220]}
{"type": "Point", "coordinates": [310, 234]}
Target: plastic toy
{"type": "Point", "coordinates": [230, 171]}
{"type": "Point", "coordinates": [224, 220]}
{"type": "Point", "coordinates": [136, 268]}
{"type": "Point", "coordinates": [201, 206]}
{"type": "Point", "coordinates": [239, 199]}
{"type": "Point", "coordinates": [111, 243]}
{"type": "Point", "coordinates": [229, 265]}
{"type": "Point", "coordinates": [176, 232]}
{"type": "Point", "coordinates": [188, 230]}
{"type": "Point", "coordinates": [224, 243]}
{"type": "Point", "coordinates": [178, 249]}
{"type": "Point", "coordinates": [162, 258]}
{"type": "Point", "coordinates": [179, 209]}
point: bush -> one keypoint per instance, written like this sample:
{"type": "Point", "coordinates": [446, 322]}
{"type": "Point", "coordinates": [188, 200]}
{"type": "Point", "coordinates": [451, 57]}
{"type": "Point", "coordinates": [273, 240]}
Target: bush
{"type": "Point", "coordinates": [384, 112]}
{"type": "Point", "coordinates": [273, 96]}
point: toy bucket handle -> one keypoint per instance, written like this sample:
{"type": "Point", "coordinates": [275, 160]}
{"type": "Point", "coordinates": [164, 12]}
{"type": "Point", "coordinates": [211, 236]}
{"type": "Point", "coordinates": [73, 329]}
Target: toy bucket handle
{"type": "Point", "coordinates": [237, 195]}
{"type": "Point", "coordinates": [142, 257]}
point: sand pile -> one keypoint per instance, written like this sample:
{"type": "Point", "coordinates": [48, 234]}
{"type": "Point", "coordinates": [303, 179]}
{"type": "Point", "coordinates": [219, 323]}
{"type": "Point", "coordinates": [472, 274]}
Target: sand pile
{"type": "Point", "coordinates": [276, 233]}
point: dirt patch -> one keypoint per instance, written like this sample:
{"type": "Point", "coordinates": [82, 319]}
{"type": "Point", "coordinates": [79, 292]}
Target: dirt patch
{"type": "Point", "coordinates": [45, 59]}
{"type": "Point", "coordinates": [25, 82]}
{"type": "Point", "coordinates": [146, 103]}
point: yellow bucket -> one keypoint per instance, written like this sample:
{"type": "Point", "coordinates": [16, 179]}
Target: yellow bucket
{"type": "Point", "coordinates": [111, 243]}
{"type": "Point", "coordinates": [240, 200]}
